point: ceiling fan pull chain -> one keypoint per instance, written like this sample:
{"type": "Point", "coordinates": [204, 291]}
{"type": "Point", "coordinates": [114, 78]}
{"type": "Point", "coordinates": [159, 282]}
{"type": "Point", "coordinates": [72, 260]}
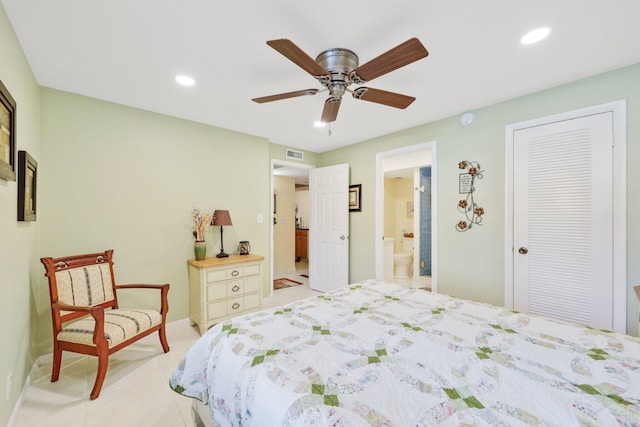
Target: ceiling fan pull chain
{"type": "Point", "coordinates": [329, 129]}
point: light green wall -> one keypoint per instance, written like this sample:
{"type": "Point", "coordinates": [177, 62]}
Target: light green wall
{"type": "Point", "coordinates": [471, 265]}
{"type": "Point", "coordinates": [20, 269]}
{"type": "Point", "coordinates": [277, 152]}
{"type": "Point", "coordinates": [118, 177]}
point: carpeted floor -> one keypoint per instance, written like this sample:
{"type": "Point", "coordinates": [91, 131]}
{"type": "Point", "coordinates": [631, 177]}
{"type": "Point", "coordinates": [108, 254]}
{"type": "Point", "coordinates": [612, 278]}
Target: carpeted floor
{"type": "Point", "coordinates": [284, 283]}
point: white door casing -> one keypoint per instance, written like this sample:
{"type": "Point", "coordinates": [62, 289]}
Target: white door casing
{"type": "Point", "coordinates": [329, 227]}
{"type": "Point", "coordinates": [565, 228]}
{"type": "Point", "coordinates": [423, 154]}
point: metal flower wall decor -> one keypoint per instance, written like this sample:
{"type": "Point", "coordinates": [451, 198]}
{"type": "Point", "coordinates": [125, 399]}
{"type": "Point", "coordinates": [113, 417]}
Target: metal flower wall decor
{"type": "Point", "coordinates": [468, 206]}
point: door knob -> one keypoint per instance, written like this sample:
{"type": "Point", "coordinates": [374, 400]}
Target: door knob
{"type": "Point", "coordinates": [523, 250]}
{"type": "Point", "coordinates": [342, 237]}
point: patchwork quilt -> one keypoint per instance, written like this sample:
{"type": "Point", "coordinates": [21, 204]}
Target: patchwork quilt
{"type": "Point", "coordinates": [378, 354]}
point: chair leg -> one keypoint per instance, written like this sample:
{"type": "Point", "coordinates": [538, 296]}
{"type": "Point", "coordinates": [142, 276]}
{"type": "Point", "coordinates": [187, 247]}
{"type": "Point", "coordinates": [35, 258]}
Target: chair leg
{"type": "Point", "coordinates": [57, 361]}
{"type": "Point", "coordinates": [163, 339]}
{"type": "Point", "coordinates": [103, 363]}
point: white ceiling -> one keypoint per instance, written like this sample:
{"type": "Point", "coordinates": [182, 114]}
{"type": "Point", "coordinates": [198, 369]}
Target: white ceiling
{"type": "Point", "coordinates": [128, 52]}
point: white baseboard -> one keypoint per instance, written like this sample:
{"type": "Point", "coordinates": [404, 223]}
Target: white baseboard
{"type": "Point", "coordinates": [16, 409]}
{"type": "Point", "coordinates": [46, 359]}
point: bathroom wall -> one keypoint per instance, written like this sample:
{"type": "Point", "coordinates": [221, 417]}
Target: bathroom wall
{"type": "Point", "coordinates": [403, 194]}
{"type": "Point", "coordinates": [389, 208]}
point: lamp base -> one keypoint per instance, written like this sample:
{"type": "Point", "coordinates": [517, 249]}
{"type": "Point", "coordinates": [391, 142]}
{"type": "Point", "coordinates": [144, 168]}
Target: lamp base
{"type": "Point", "coordinates": [222, 255]}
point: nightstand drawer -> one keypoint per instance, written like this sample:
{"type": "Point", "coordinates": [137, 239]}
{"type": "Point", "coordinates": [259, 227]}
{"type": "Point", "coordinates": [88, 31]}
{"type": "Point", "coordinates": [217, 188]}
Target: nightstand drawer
{"type": "Point", "coordinates": [232, 288]}
{"type": "Point", "coordinates": [250, 270]}
{"type": "Point", "coordinates": [251, 301]}
{"type": "Point", "coordinates": [216, 275]}
{"type": "Point", "coordinates": [229, 307]}
{"type": "Point", "coordinates": [251, 284]}
{"type": "Point", "coordinates": [232, 273]}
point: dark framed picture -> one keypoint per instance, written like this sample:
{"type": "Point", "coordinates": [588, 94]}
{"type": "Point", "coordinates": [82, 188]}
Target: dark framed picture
{"type": "Point", "coordinates": [355, 197]}
{"type": "Point", "coordinates": [27, 180]}
{"type": "Point", "coordinates": [7, 135]}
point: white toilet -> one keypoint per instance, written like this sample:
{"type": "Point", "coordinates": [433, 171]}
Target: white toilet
{"type": "Point", "coordinates": [403, 261]}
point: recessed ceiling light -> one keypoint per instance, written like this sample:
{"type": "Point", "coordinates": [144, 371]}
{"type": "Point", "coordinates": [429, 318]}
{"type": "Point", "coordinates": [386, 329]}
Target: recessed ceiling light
{"type": "Point", "coordinates": [319, 124]}
{"type": "Point", "coordinates": [185, 80]}
{"type": "Point", "coordinates": [535, 36]}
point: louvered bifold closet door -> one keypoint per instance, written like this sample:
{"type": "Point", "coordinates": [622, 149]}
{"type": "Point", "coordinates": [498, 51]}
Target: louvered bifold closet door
{"type": "Point", "coordinates": [563, 220]}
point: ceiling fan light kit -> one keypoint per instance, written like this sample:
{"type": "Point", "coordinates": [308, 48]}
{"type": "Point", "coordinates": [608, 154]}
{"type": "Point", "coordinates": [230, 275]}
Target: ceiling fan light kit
{"type": "Point", "coordinates": [337, 68]}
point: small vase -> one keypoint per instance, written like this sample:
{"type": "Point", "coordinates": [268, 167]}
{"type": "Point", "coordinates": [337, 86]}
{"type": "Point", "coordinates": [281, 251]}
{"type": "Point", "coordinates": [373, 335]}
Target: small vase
{"type": "Point", "coordinates": [200, 249]}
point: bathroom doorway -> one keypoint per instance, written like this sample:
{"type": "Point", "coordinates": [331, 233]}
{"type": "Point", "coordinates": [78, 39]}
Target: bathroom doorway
{"type": "Point", "coordinates": [405, 216]}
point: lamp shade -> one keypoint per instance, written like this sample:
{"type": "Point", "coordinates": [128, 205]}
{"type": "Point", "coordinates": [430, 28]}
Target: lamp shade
{"type": "Point", "coordinates": [221, 218]}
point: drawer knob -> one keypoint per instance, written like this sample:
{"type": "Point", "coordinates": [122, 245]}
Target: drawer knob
{"type": "Point", "coordinates": [236, 288]}
{"type": "Point", "coordinates": [235, 306]}
{"type": "Point", "coordinates": [234, 273]}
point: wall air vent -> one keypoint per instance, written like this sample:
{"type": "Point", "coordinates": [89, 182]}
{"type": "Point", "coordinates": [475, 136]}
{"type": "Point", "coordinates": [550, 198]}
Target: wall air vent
{"type": "Point", "coordinates": [294, 154]}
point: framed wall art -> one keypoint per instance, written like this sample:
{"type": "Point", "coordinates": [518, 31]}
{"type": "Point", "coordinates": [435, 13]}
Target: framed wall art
{"type": "Point", "coordinates": [355, 197]}
{"type": "Point", "coordinates": [410, 209]}
{"type": "Point", "coordinates": [27, 180]}
{"type": "Point", "coordinates": [7, 135]}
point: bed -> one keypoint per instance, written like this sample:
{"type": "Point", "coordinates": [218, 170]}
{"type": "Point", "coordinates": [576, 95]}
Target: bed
{"type": "Point", "coordinates": [378, 354]}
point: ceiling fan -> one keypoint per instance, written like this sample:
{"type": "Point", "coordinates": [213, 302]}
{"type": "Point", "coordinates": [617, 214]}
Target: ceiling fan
{"type": "Point", "coordinates": [336, 69]}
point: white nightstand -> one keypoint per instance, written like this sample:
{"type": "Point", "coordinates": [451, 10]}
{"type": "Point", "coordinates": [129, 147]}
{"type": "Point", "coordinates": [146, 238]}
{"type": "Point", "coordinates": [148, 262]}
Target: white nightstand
{"type": "Point", "coordinates": [220, 288]}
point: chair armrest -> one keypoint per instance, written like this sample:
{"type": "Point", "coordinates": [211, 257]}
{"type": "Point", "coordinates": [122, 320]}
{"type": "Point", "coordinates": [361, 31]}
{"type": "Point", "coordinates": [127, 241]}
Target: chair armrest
{"type": "Point", "coordinates": [138, 286]}
{"type": "Point", "coordinates": [164, 291]}
{"type": "Point", "coordinates": [97, 312]}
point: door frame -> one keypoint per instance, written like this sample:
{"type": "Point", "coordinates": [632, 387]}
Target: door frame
{"type": "Point", "coordinates": [379, 207]}
{"type": "Point", "coordinates": [274, 163]}
{"type": "Point", "coordinates": [619, 141]}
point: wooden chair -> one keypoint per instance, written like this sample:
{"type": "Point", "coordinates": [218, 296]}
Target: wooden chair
{"type": "Point", "coordinates": [83, 287]}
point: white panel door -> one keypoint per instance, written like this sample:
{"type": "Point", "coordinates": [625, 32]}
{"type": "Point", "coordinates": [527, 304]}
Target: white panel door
{"type": "Point", "coordinates": [329, 227]}
{"type": "Point", "coordinates": [563, 220]}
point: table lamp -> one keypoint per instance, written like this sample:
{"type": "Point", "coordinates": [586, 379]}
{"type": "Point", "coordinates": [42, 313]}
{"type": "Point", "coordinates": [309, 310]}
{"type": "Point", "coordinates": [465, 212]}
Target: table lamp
{"type": "Point", "coordinates": [221, 218]}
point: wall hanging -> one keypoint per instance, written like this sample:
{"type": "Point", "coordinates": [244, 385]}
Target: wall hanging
{"type": "Point", "coordinates": [355, 198]}
{"type": "Point", "coordinates": [466, 185]}
{"type": "Point", "coordinates": [7, 135]}
{"type": "Point", "coordinates": [27, 179]}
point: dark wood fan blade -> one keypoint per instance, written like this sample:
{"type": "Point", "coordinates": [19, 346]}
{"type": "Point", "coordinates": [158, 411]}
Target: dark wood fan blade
{"type": "Point", "coordinates": [287, 48]}
{"type": "Point", "coordinates": [285, 95]}
{"type": "Point", "coordinates": [383, 97]}
{"type": "Point", "coordinates": [401, 55]}
{"type": "Point", "coordinates": [330, 111]}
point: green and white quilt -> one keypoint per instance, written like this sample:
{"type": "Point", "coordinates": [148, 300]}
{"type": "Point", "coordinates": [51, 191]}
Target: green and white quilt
{"type": "Point", "coordinates": [378, 354]}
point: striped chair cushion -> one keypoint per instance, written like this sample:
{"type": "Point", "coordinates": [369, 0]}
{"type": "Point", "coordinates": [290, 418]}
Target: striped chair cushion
{"type": "Point", "coordinates": [89, 285]}
{"type": "Point", "coordinates": [119, 325]}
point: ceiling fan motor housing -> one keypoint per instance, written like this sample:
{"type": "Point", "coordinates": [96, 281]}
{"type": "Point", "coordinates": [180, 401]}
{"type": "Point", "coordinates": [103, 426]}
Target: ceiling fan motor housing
{"type": "Point", "coordinates": [339, 63]}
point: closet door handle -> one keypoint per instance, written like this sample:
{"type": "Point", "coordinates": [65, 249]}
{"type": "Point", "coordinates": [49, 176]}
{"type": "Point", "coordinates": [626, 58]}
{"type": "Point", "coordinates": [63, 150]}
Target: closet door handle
{"type": "Point", "coordinates": [523, 250]}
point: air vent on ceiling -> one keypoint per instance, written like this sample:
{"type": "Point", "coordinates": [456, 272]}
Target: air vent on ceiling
{"type": "Point", "coordinates": [294, 154]}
